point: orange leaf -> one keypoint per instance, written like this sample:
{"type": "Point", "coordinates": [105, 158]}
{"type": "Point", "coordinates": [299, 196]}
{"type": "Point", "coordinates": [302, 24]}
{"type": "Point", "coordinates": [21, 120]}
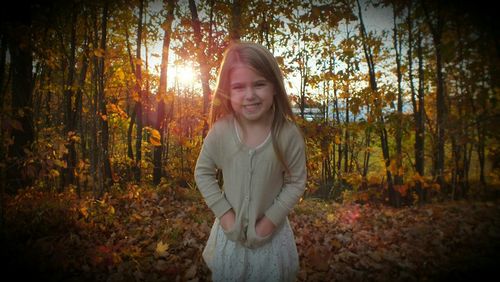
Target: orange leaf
{"type": "Point", "coordinates": [155, 138]}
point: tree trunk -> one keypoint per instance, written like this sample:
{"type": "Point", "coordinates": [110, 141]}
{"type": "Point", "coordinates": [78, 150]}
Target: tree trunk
{"type": "Point", "coordinates": [138, 105]}
{"type": "Point", "coordinates": [441, 108]}
{"type": "Point", "coordinates": [160, 119]}
{"type": "Point", "coordinates": [20, 47]}
{"type": "Point", "coordinates": [68, 176]}
{"type": "Point", "coordinates": [418, 106]}
{"type": "Point", "coordinates": [93, 105]}
{"type": "Point", "coordinates": [3, 55]}
{"type": "Point", "coordinates": [398, 178]}
{"type": "Point", "coordinates": [236, 20]}
{"type": "Point", "coordinates": [384, 142]}
{"type": "Point", "coordinates": [202, 61]}
{"type": "Point", "coordinates": [78, 119]}
{"type": "Point", "coordinates": [104, 164]}
{"type": "Point", "coordinates": [130, 150]}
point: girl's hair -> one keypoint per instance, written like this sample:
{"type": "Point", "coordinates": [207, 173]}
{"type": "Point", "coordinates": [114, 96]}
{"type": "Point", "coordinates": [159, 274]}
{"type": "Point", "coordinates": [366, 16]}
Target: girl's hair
{"type": "Point", "coordinates": [260, 60]}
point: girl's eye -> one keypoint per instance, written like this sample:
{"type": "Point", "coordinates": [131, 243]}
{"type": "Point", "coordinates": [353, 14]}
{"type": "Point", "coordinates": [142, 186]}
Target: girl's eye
{"type": "Point", "coordinates": [260, 84]}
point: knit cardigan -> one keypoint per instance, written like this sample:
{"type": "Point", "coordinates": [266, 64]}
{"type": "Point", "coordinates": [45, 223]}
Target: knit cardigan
{"type": "Point", "coordinates": [255, 183]}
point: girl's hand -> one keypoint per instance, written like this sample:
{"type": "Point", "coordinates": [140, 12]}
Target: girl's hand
{"type": "Point", "coordinates": [227, 220]}
{"type": "Point", "coordinates": [264, 227]}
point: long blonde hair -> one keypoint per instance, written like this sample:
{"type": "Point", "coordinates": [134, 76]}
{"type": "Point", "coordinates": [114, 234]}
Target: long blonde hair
{"type": "Point", "coordinates": [262, 61]}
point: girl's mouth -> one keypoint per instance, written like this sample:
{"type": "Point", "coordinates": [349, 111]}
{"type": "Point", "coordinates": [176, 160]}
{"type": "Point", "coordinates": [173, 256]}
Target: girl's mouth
{"type": "Point", "coordinates": [252, 107]}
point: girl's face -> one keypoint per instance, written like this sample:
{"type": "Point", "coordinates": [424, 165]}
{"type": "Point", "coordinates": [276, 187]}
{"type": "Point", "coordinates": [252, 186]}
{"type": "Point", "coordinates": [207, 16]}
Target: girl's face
{"type": "Point", "coordinates": [251, 94]}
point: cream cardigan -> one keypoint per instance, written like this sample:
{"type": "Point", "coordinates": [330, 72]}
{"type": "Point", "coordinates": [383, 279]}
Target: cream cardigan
{"type": "Point", "coordinates": [255, 182]}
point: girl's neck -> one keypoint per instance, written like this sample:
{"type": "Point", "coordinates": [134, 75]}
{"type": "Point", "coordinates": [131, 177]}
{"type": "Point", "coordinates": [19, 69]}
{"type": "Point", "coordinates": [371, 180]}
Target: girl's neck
{"type": "Point", "coordinates": [253, 134]}
{"type": "Point", "coordinates": [263, 123]}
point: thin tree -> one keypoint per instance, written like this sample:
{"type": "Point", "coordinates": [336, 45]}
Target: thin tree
{"type": "Point", "coordinates": [236, 20]}
{"type": "Point", "coordinates": [161, 123]}
{"type": "Point", "coordinates": [104, 165]}
{"type": "Point", "coordinates": [436, 27]}
{"type": "Point", "coordinates": [202, 61]}
{"type": "Point", "coordinates": [384, 142]}
{"type": "Point", "coordinates": [68, 176]}
{"type": "Point", "coordinates": [417, 99]}
{"type": "Point", "coordinates": [398, 177]}
{"type": "Point", "coordinates": [140, 97]}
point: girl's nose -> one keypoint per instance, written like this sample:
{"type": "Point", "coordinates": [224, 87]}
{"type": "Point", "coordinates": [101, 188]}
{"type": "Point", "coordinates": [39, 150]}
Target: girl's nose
{"type": "Point", "coordinates": [249, 93]}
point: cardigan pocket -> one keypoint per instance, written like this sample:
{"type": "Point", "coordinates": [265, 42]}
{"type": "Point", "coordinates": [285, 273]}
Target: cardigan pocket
{"type": "Point", "coordinates": [254, 240]}
{"type": "Point", "coordinates": [233, 233]}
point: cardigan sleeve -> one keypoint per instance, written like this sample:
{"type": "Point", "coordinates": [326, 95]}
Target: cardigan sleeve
{"type": "Point", "coordinates": [294, 182]}
{"type": "Point", "coordinates": [205, 175]}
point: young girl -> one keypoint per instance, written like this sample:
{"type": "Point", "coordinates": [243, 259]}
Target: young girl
{"type": "Point", "coordinates": [261, 154]}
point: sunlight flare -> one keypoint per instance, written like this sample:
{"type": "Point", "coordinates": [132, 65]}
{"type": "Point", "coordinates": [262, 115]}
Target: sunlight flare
{"type": "Point", "coordinates": [183, 74]}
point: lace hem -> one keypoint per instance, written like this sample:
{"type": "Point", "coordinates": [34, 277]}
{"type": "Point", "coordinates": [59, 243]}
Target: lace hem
{"type": "Point", "coordinates": [277, 260]}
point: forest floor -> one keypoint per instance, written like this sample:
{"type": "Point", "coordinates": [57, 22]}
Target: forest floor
{"type": "Point", "coordinates": [159, 235]}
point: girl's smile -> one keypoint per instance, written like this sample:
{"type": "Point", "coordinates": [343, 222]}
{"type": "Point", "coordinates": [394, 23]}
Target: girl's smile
{"type": "Point", "coordinates": [251, 108]}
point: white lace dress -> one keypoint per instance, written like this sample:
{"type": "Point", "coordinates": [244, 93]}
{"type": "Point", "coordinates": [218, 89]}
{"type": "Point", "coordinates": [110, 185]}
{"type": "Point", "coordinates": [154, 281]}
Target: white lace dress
{"type": "Point", "coordinates": [277, 260]}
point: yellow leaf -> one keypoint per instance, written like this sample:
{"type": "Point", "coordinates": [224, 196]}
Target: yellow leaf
{"type": "Point", "coordinates": [54, 173]}
{"type": "Point", "coordinates": [337, 140]}
{"type": "Point", "coordinates": [120, 74]}
{"type": "Point", "coordinates": [99, 52]}
{"type": "Point", "coordinates": [60, 163]}
{"type": "Point", "coordinates": [330, 217]}
{"type": "Point", "coordinates": [75, 138]}
{"type": "Point", "coordinates": [161, 249]}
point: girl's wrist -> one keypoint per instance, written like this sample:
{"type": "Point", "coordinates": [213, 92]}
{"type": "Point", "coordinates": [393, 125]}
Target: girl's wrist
{"type": "Point", "coordinates": [227, 219]}
{"type": "Point", "coordinates": [264, 227]}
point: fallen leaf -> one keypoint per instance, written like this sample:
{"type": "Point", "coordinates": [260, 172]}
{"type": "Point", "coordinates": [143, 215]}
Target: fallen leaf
{"type": "Point", "coordinates": [161, 249]}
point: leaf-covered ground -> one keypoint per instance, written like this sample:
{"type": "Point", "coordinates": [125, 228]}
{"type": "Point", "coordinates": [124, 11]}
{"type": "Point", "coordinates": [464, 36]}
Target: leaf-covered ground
{"type": "Point", "coordinates": [158, 235]}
